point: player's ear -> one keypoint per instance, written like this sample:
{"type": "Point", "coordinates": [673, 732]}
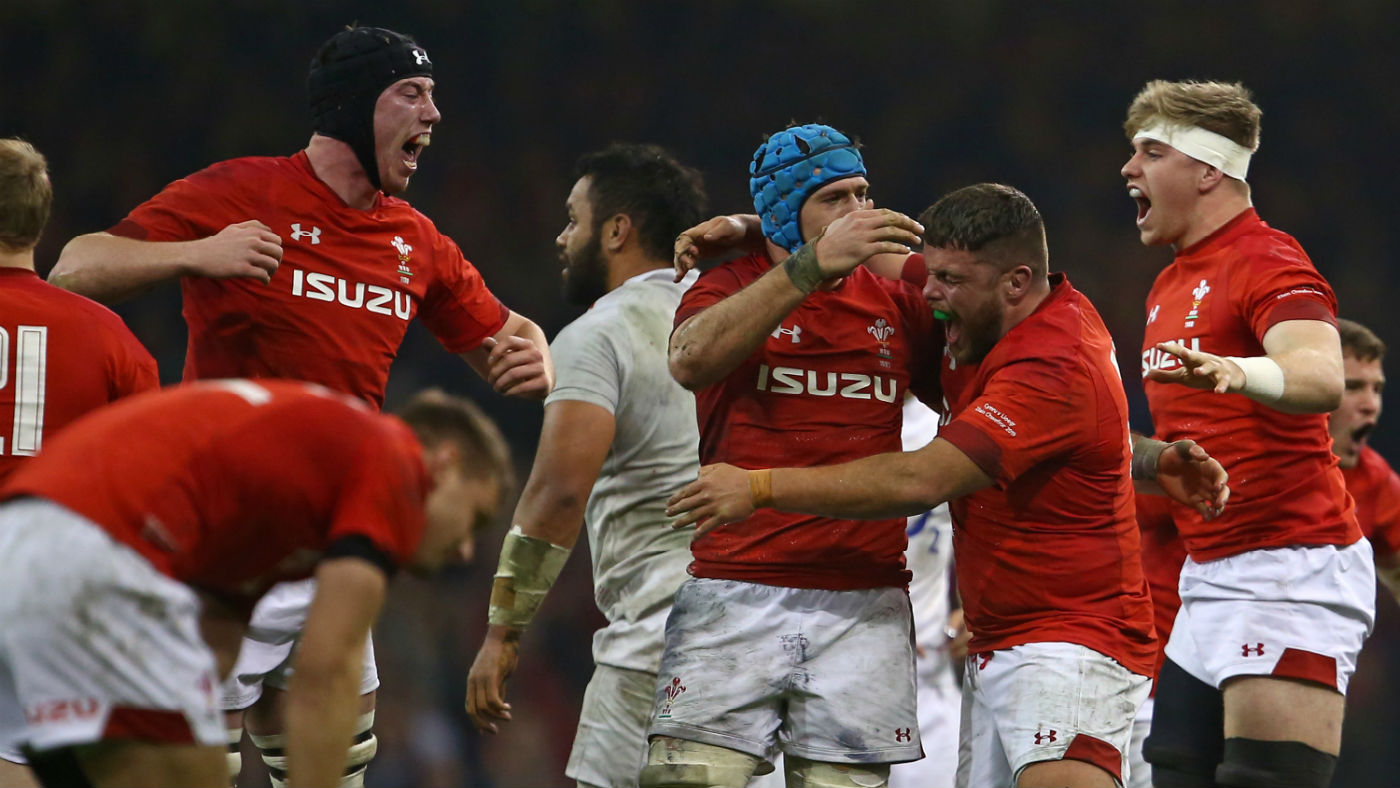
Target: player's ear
{"type": "Point", "coordinates": [1018, 281]}
{"type": "Point", "coordinates": [616, 231]}
{"type": "Point", "coordinates": [1210, 178]}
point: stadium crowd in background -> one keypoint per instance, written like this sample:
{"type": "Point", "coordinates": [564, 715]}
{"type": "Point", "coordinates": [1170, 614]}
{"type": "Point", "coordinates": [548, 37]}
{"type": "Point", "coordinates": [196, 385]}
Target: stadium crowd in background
{"type": "Point", "coordinates": [800, 353]}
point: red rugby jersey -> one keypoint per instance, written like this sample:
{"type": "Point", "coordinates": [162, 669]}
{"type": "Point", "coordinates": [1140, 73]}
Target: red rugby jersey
{"type": "Point", "coordinates": [827, 387]}
{"type": "Point", "coordinates": [1220, 296]}
{"type": "Point", "coordinates": [1162, 557]}
{"type": "Point", "coordinates": [1051, 551]}
{"type": "Point", "coordinates": [231, 486]}
{"type": "Point", "coordinates": [61, 355]}
{"type": "Point", "coordinates": [1376, 489]}
{"type": "Point", "coordinates": [337, 309]}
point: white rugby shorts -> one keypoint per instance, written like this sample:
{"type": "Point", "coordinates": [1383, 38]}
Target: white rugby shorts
{"type": "Point", "coordinates": [1045, 702]}
{"type": "Point", "coordinates": [1294, 612]}
{"type": "Point", "coordinates": [95, 643]}
{"type": "Point", "coordinates": [610, 747]}
{"type": "Point", "coordinates": [940, 712]}
{"type": "Point", "coordinates": [822, 675]}
{"type": "Point", "coordinates": [265, 656]}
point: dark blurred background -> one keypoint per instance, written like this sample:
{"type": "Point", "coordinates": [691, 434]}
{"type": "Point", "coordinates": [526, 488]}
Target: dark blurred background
{"type": "Point", "coordinates": [125, 97]}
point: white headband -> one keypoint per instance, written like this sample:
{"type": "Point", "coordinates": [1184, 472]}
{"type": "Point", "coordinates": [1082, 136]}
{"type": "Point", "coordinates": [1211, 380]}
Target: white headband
{"type": "Point", "coordinates": [1218, 151]}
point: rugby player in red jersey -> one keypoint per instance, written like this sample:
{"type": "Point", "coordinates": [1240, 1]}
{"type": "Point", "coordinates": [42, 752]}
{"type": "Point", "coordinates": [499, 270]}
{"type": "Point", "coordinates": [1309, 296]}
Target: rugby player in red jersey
{"type": "Point", "coordinates": [1372, 483]}
{"type": "Point", "coordinates": [61, 355]}
{"type": "Point", "coordinates": [133, 581]}
{"type": "Point", "coordinates": [309, 267]}
{"type": "Point", "coordinates": [794, 365]}
{"type": "Point", "coordinates": [1241, 353]}
{"type": "Point", "coordinates": [1036, 462]}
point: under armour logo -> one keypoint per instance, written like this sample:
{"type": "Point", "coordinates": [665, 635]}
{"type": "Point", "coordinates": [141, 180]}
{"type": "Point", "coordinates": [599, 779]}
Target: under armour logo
{"type": "Point", "coordinates": [1045, 738]}
{"type": "Point", "coordinates": [1258, 649]}
{"type": "Point", "coordinates": [1200, 291]}
{"type": "Point", "coordinates": [795, 333]}
{"type": "Point", "coordinates": [421, 57]}
{"type": "Point", "coordinates": [1152, 316]}
{"type": "Point", "coordinates": [903, 734]}
{"type": "Point", "coordinates": [298, 233]}
{"type": "Point", "coordinates": [986, 657]}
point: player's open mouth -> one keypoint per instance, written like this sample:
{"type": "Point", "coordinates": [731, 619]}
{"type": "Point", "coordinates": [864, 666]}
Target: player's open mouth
{"type": "Point", "coordinates": [1144, 205]}
{"type": "Point", "coordinates": [1360, 434]}
{"type": "Point", "coordinates": [414, 147]}
{"type": "Point", "coordinates": [952, 328]}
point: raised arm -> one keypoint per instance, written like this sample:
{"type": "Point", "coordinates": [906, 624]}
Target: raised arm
{"type": "Point", "coordinates": [896, 484]}
{"type": "Point", "coordinates": [709, 345]}
{"type": "Point", "coordinates": [573, 444]}
{"type": "Point", "coordinates": [109, 268]}
{"type": "Point", "coordinates": [323, 698]}
{"type": "Point", "coordinates": [516, 360]}
{"type": "Point", "coordinates": [714, 237]}
{"type": "Point", "coordinates": [1301, 371]}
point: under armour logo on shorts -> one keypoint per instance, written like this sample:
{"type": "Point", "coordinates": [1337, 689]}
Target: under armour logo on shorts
{"type": "Point", "coordinates": [1045, 738]}
{"type": "Point", "coordinates": [985, 657]}
{"type": "Point", "coordinates": [1258, 650]}
{"type": "Point", "coordinates": [903, 734]}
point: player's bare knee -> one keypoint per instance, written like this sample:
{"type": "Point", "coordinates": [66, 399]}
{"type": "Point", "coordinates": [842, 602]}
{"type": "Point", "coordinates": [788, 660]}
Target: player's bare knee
{"type": "Point", "coordinates": [678, 763]}
{"type": "Point", "coordinates": [804, 773]}
{"type": "Point", "coordinates": [274, 754]}
{"type": "Point", "coordinates": [1274, 764]}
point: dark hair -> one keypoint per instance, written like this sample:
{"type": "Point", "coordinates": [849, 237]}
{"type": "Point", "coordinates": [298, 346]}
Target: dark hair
{"type": "Point", "coordinates": [436, 416]}
{"type": "Point", "coordinates": [997, 222]}
{"type": "Point", "coordinates": [662, 196]}
{"type": "Point", "coordinates": [26, 195]}
{"type": "Point", "coordinates": [1360, 342]}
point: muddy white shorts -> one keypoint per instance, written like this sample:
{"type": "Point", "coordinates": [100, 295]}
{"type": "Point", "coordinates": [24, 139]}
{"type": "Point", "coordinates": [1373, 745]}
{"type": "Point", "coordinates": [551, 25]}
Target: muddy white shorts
{"type": "Point", "coordinates": [94, 642]}
{"type": "Point", "coordinates": [265, 656]}
{"type": "Point", "coordinates": [822, 675]}
{"type": "Point", "coordinates": [940, 710]}
{"type": "Point", "coordinates": [1045, 702]}
{"type": "Point", "coordinates": [1294, 612]}
{"type": "Point", "coordinates": [610, 747]}
{"type": "Point", "coordinates": [1140, 771]}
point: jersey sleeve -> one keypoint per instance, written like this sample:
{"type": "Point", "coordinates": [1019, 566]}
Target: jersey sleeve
{"type": "Point", "coordinates": [1279, 290]}
{"type": "Point", "coordinates": [1385, 531]}
{"type": "Point", "coordinates": [713, 286]}
{"type": "Point", "coordinates": [181, 211]}
{"type": "Point", "coordinates": [587, 365]}
{"type": "Point", "coordinates": [1025, 414]}
{"type": "Point", "coordinates": [382, 496]}
{"type": "Point", "coordinates": [132, 369]}
{"type": "Point", "coordinates": [459, 309]}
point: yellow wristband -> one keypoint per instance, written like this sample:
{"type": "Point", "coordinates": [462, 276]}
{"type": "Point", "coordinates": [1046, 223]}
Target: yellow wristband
{"type": "Point", "coordinates": [761, 488]}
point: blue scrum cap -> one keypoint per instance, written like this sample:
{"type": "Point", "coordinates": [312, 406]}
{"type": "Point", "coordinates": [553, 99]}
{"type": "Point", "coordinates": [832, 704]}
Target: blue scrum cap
{"type": "Point", "coordinates": [788, 167]}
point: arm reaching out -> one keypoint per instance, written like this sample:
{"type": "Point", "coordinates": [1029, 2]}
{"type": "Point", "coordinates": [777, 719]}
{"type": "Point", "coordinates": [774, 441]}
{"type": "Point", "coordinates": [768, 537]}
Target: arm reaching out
{"type": "Point", "coordinates": [108, 268]}
{"type": "Point", "coordinates": [1182, 471]}
{"type": "Point", "coordinates": [896, 484]}
{"type": "Point", "coordinates": [1301, 371]}
{"type": "Point", "coordinates": [714, 237]}
{"type": "Point", "coordinates": [516, 361]}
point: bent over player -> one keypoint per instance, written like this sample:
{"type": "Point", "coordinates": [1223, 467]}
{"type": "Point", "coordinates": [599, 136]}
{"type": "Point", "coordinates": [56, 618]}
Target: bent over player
{"type": "Point", "coordinates": [135, 578]}
{"type": "Point", "coordinates": [1241, 354]}
{"type": "Point", "coordinates": [309, 267]}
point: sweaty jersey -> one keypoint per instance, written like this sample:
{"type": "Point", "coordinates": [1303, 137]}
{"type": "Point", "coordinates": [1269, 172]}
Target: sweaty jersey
{"type": "Point", "coordinates": [1376, 489]}
{"type": "Point", "coordinates": [614, 356]}
{"type": "Point", "coordinates": [233, 485]}
{"type": "Point", "coordinates": [1050, 552]}
{"type": "Point", "coordinates": [1221, 296]}
{"type": "Point", "coordinates": [1162, 557]}
{"type": "Point", "coordinates": [61, 355]}
{"type": "Point", "coordinates": [826, 387]}
{"type": "Point", "coordinates": [350, 281]}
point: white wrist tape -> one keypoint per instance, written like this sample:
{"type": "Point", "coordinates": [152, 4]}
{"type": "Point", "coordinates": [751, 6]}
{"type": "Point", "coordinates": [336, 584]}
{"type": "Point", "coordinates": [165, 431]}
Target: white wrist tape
{"type": "Point", "coordinates": [1263, 378]}
{"type": "Point", "coordinates": [1217, 150]}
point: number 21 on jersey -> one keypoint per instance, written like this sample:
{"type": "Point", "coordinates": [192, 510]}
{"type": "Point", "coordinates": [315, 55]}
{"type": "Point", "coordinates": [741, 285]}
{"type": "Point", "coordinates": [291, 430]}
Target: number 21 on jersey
{"type": "Point", "coordinates": [30, 345]}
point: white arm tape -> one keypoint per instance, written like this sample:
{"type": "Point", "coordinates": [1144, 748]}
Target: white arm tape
{"type": "Point", "coordinates": [1263, 378]}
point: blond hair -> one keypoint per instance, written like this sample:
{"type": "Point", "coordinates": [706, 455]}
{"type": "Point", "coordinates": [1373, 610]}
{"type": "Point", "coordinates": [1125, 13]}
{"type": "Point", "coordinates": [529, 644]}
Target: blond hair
{"type": "Point", "coordinates": [26, 195]}
{"type": "Point", "coordinates": [1226, 108]}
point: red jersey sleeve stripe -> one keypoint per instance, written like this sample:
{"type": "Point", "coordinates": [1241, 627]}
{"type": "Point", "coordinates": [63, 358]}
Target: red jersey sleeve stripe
{"type": "Point", "coordinates": [984, 452]}
{"type": "Point", "coordinates": [1301, 309]}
